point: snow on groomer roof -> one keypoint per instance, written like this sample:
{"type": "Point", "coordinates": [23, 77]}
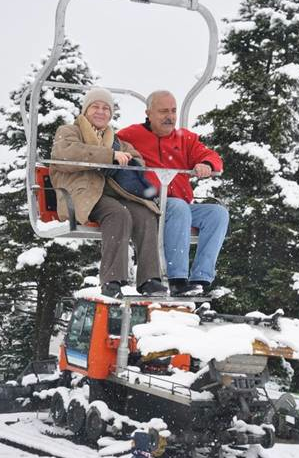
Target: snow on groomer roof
{"type": "Point", "coordinates": [181, 331]}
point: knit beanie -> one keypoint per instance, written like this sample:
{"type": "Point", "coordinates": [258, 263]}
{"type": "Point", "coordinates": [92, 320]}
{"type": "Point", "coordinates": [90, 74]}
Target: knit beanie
{"type": "Point", "coordinates": [98, 93]}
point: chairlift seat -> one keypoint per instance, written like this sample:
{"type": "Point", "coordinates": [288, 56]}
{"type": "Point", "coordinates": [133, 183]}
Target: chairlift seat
{"type": "Point", "coordinates": [47, 202]}
{"type": "Point", "coordinates": [46, 196]}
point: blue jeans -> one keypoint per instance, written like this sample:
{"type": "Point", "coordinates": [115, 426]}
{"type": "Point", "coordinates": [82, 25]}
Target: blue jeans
{"type": "Point", "coordinates": [212, 222]}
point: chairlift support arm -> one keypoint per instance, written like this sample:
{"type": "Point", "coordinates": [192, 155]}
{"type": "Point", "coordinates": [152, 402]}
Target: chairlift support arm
{"type": "Point", "coordinates": [194, 5]}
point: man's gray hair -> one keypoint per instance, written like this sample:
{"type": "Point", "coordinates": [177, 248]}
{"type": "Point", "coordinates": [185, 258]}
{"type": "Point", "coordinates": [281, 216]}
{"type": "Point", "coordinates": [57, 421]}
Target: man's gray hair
{"type": "Point", "coordinates": [161, 93]}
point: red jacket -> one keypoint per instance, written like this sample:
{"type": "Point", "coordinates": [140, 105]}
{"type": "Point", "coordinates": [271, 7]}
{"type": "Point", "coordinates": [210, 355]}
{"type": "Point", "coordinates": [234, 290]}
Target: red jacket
{"type": "Point", "coordinates": [179, 150]}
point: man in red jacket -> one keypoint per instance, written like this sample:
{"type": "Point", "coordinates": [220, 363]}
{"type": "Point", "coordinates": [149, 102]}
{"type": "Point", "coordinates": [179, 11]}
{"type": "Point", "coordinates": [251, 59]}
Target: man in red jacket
{"type": "Point", "coordinates": [164, 146]}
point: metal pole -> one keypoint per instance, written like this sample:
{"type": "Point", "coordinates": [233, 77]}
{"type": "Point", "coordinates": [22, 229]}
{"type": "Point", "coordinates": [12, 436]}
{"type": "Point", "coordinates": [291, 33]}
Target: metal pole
{"type": "Point", "coordinates": [210, 67]}
{"type": "Point", "coordinates": [165, 177]}
{"type": "Point", "coordinates": [33, 111]}
{"type": "Point", "coordinates": [123, 349]}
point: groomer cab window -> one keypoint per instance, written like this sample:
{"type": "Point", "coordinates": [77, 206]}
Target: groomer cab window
{"type": "Point", "coordinates": [138, 316]}
{"type": "Point", "coordinates": [78, 337]}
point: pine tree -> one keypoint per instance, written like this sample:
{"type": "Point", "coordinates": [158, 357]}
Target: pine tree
{"type": "Point", "coordinates": [37, 288]}
{"type": "Point", "coordinates": [257, 135]}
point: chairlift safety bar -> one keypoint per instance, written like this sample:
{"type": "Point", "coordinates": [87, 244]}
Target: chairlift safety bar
{"type": "Point", "coordinates": [95, 165]}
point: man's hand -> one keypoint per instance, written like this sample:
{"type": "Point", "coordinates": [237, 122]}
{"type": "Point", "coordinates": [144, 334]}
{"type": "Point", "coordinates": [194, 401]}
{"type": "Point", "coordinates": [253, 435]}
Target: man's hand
{"type": "Point", "coordinates": [203, 170]}
{"type": "Point", "coordinates": [122, 158]}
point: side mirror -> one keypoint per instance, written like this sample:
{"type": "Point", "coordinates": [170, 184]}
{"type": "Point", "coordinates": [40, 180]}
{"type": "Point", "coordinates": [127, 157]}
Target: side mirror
{"type": "Point", "coordinates": [65, 305]}
{"type": "Point", "coordinates": [59, 310]}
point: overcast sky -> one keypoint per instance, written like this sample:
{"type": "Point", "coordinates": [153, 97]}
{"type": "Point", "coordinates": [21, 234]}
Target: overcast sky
{"type": "Point", "coordinates": [132, 45]}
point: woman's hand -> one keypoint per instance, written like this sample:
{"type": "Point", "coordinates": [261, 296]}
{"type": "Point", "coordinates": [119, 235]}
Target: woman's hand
{"type": "Point", "coordinates": [122, 158]}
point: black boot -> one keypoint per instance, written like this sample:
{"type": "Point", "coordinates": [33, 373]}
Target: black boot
{"type": "Point", "coordinates": [180, 287]}
{"type": "Point", "coordinates": [206, 285]}
{"type": "Point", "coordinates": [112, 289]}
{"type": "Point", "coordinates": [152, 287]}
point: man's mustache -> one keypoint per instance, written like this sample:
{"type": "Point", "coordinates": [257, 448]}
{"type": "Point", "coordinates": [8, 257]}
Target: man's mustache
{"type": "Point", "coordinates": [168, 121]}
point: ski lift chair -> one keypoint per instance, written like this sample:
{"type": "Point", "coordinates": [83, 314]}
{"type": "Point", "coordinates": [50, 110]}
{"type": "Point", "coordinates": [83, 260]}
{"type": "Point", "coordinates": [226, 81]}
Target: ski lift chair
{"type": "Point", "coordinates": [41, 196]}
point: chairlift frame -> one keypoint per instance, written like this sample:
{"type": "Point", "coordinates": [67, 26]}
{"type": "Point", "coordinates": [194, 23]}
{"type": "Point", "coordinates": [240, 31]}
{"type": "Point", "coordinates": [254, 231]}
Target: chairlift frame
{"type": "Point", "coordinates": [31, 126]}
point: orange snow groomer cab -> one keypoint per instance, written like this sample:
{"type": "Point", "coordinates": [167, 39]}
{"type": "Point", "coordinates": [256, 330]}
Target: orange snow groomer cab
{"type": "Point", "coordinates": [93, 337]}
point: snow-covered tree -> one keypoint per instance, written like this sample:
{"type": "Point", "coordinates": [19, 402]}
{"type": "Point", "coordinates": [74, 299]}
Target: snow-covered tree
{"type": "Point", "coordinates": [257, 135]}
{"type": "Point", "coordinates": [36, 274]}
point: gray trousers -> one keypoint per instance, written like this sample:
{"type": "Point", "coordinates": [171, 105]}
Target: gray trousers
{"type": "Point", "coordinates": [120, 221]}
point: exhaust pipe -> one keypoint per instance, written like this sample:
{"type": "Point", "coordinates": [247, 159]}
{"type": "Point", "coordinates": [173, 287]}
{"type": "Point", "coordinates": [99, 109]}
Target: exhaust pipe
{"type": "Point", "coordinates": [123, 349]}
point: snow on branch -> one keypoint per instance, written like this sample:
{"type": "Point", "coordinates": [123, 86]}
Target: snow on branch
{"type": "Point", "coordinates": [17, 175]}
{"type": "Point", "coordinates": [289, 191]}
{"type": "Point", "coordinates": [295, 285]}
{"type": "Point", "coordinates": [51, 118]}
{"type": "Point", "coordinates": [275, 17]}
{"type": "Point", "coordinates": [33, 257]}
{"type": "Point", "coordinates": [289, 5]}
{"type": "Point", "coordinates": [259, 151]}
{"type": "Point", "coordinates": [290, 70]}
{"type": "Point", "coordinates": [279, 17]}
{"type": "Point", "coordinates": [205, 188]}
{"type": "Point", "coordinates": [240, 26]}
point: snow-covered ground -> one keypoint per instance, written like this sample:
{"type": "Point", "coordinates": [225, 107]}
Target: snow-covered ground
{"type": "Point", "coordinates": [31, 431]}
